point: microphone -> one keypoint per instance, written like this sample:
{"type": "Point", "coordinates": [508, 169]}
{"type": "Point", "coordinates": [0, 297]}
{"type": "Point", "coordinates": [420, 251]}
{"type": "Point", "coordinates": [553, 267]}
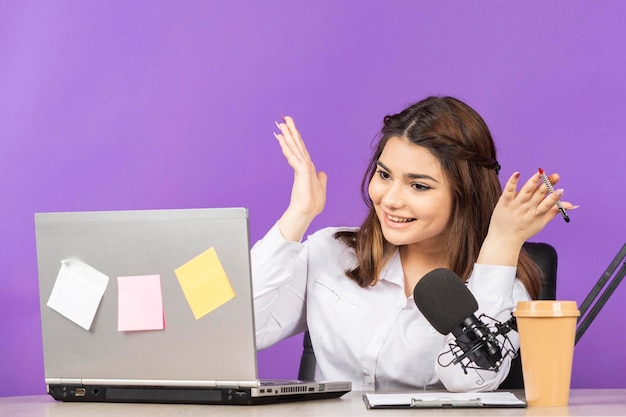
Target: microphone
{"type": "Point", "coordinates": [449, 307]}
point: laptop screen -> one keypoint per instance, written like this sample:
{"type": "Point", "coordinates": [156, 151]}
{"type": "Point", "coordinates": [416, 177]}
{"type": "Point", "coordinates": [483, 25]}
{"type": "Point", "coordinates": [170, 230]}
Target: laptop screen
{"type": "Point", "coordinates": [154, 295]}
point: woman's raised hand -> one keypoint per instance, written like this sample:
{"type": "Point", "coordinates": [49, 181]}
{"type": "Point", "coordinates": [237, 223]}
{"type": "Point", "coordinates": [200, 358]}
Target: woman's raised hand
{"type": "Point", "coordinates": [518, 216]}
{"type": "Point", "coordinates": [308, 193]}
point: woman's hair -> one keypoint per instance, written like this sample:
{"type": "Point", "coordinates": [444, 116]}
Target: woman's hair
{"type": "Point", "coordinates": [460, 140]}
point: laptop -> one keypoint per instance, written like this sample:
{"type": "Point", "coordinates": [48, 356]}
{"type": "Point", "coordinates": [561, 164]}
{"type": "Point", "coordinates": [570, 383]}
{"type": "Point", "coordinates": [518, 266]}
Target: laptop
{"type": "Point", "coordinates": [154, 306]}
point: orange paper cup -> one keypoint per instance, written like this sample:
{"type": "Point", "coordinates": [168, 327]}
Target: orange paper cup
{"type": "Point", "coordinates": [547, 331]}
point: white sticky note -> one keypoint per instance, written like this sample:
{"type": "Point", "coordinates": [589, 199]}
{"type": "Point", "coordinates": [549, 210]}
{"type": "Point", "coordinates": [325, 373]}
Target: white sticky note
{"type": "Point", "coordinates": [77, 292]}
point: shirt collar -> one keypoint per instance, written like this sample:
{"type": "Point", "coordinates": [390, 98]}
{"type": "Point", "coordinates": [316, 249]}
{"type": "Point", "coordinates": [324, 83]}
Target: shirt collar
{"type": "Point", "coordinates": [392, 272]}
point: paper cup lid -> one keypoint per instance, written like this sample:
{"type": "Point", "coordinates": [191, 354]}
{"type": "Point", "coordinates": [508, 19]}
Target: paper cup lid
{"type": "Point", "coordinates": [546, 308]}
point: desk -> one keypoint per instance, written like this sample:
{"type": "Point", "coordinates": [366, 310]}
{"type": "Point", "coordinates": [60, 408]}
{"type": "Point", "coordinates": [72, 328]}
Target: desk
{"type": "Point", "coordinates": [583, 402]}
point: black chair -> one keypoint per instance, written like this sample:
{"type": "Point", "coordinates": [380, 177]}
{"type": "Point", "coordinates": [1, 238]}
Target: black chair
{"type": "Point", "coordinates": [542, 253]}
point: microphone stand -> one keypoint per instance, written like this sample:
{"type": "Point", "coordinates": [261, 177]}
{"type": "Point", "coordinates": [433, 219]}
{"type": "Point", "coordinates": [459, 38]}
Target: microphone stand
{"type": "Point", "coordinates": [585, 321]}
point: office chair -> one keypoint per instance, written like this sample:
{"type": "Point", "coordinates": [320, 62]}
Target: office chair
{"type": "Point", "coordinates": [542, 253]}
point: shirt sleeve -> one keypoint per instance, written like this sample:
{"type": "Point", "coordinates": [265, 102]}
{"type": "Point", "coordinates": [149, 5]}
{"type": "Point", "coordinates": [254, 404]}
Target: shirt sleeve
{"type": "Point", "coordinates": [279, 274]}
{"type": "Point", "coordinates": [497, 291]}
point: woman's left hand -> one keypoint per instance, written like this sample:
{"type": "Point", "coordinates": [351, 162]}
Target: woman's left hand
{"type": "Point", "coordinates": [519, 215]}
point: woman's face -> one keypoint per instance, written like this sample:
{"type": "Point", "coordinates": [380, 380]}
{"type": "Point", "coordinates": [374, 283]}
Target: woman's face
{"type": "Point", "coordinates": [411, 195]}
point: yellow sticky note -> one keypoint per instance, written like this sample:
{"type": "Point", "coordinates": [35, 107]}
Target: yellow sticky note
{"type": "Point", "coordinates": [204, 283]}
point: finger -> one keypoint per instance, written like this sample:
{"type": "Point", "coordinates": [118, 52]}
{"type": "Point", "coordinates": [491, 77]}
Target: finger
{"type": "Point", "coordinates": [550, 201]}
{"type": "Point", "coordinates": [530, 188]}
{"type": "Point", "coordinates": [553, 210]}
{"type": "Point", "coordinates": [510, 189]}
{"type": "Point", "coordinates": [323, 179]}
{"type": "Point", "coordinates": [291, 125]}
{"type": "Point", "coordinates": [289, 143]}
{"type": "Point", "coordinates": [544, 189]}
{"type": "Point", "coordinates": [554, 178]}
{"type": "Point", "coordinates": [293, 159]}
{"type": "Point", "coordinates": [569, 206]}
{"type": "Point", "coordinates": [291, 152]}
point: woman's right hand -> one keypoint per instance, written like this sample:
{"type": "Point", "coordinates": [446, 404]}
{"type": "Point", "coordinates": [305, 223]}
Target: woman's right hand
{"type": "Point", "coordinates": [308, 193]}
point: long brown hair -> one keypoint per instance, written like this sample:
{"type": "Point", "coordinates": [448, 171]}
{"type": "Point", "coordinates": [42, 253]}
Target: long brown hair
{"type": "Point", "coordinates": [460, 140]}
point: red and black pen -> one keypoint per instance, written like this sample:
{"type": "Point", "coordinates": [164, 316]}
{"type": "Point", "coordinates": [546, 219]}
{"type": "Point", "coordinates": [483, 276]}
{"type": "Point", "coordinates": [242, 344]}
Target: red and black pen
{"type": "Point", "coordinates": [546, 181]}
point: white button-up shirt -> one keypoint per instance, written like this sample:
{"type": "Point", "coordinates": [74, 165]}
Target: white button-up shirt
{"type": "Point", "coordinates": [374, 337]}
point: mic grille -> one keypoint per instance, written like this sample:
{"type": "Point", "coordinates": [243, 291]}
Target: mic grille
{"type": "Point", "coordinates": [444, 299]}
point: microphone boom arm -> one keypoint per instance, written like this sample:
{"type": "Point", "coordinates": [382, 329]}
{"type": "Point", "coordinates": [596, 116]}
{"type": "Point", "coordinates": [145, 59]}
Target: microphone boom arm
{"type": "Point", "coordinates": [585, 321]}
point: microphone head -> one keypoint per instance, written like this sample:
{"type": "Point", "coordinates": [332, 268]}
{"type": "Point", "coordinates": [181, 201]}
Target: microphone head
{"type": "Point", "coordinates": [444, 300]}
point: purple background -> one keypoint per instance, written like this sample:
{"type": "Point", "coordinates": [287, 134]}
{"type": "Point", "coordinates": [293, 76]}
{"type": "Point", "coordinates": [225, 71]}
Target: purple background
{"type": "Point", "coordinates": [110, 105]}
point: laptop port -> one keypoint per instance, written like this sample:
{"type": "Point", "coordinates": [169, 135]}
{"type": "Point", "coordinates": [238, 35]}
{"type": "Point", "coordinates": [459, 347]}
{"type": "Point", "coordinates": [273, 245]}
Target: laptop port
{"type": "Point", "coordinates": [79, 392]}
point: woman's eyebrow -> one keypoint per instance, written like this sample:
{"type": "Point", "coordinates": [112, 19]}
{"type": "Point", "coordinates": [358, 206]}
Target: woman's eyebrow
{"type": "Point", "coordinates": [409, 175]}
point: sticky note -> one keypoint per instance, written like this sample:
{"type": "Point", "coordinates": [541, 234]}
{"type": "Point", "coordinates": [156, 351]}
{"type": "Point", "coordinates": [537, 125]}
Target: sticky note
{"type": "Point", "coordinates": [204, 283]}
{"type": "Point", "coordinates": [77, 292]}
{"type": "Point", "coordinates": [139, 303]}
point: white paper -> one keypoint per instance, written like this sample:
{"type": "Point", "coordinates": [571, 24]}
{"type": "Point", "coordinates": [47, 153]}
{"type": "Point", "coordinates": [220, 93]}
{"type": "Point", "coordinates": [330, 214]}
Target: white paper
{"type": "Point", "coordinates": [405, 399]}
{"type": "Point", "coordinates": [77, 292]}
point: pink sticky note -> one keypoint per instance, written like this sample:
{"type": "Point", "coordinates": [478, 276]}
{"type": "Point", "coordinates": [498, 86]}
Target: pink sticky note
{"type": "Point", "coordinates": [140, 303]}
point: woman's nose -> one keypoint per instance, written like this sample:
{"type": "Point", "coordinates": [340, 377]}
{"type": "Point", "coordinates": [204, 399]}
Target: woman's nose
{"type": "Point", "coordinates": [393, 197]}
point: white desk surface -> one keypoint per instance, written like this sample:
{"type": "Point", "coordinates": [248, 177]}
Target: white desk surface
{"type": "Point", "coordinates": [583, 402]}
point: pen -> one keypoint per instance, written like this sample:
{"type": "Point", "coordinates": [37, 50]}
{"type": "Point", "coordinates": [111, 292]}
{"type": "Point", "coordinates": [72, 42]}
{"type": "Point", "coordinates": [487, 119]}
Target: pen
{"type": "Point", "coordinates": [546, 181]}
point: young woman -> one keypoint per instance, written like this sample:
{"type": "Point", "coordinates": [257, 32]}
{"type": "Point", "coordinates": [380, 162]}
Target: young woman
{"type": "Point", "coordinates": [434, 201]}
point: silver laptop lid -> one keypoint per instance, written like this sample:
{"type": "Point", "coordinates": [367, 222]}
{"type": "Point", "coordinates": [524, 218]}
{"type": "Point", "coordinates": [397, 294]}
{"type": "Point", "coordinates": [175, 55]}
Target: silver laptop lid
{"type": "Point", "coordinates": [96, 270]}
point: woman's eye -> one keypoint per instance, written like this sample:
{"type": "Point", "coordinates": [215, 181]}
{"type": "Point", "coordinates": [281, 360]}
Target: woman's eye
{"type": "Point", "coordinates": [384, 175]}
{"type": "Point", "coordinates": [420, 187]}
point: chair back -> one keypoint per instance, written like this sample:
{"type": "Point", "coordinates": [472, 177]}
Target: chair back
{"type": "Point", "coordinates": [546, 258]}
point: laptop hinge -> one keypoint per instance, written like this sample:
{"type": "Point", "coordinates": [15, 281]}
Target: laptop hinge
{"type": "Point", "coordinates": [64, 381]}
{"type": "Point", "coordinates": [249, 384]}
{"type": "Point", "coordinates": [152, 382]}
{"type": "Point", "coordinates": [149, 382]}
